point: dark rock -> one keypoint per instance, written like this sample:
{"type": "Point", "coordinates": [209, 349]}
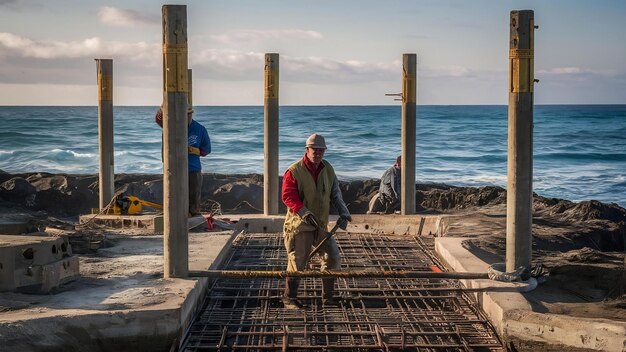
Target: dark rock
{"type": "Point", "coordinates": [594, 210]}
{"type": "Point", "coordinates": [454, 198]}
{"type": "Point", "coordinates": [232, 194]}
{"type": "Point", "coordinates": [357, 194]}
{"type": "Point", "coordinates": [245, 208]}
{"type": "Point", "coordinates": [63, 195]}
{"type": "Point", "coordinates": [18, 190]}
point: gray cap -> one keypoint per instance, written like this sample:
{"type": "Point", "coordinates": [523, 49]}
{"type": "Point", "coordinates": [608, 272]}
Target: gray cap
{"type": "Point", "coordinates": [316, 141]}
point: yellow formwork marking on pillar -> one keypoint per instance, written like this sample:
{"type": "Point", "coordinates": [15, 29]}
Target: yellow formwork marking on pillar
{"type": "Point", "coordinates": [175, 60]}
{"type": "Point", "coordinates": [106, 87]}
{"type": "Point", "coordinates": [271, 83]}
{"type": "Point", "coordinates": [521, 63]}
{"type": "Point", "coordinates": [408, 88]}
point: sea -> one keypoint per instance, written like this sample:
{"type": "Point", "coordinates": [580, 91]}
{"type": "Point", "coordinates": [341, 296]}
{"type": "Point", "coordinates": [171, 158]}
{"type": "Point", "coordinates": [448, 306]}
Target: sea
{"type": "Point", "coordinates": [579, 150]}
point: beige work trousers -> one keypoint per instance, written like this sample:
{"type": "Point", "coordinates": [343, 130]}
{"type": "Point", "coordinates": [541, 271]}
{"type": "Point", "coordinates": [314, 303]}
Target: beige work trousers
{"type": "Point", "coordinates": [299, 245]}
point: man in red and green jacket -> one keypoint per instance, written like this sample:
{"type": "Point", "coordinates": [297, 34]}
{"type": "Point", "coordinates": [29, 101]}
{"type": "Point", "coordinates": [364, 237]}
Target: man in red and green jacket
{"type": "Point", "coordinates": [310, 186]}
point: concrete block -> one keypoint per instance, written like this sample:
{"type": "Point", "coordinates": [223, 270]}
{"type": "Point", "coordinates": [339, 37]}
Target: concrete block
{"type": "Point", "coordinates": [35, 264]}
{"type": "Point", "coordinates": [148, 222]}
{"type": "Point", "coordinates": [397, 224]}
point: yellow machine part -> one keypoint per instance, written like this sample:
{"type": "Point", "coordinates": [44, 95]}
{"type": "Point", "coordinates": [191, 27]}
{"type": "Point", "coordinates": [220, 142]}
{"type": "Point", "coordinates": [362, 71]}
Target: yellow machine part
{"type": "Point", "coordinates": [133, 206]}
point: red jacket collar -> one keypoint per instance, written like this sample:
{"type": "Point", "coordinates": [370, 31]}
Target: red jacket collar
{"type": "Point", "coordinates": [309, 165]}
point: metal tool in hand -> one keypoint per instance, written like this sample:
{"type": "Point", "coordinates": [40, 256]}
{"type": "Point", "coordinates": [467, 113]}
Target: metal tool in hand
{"type": "Point", "coordinates": [328, 236]}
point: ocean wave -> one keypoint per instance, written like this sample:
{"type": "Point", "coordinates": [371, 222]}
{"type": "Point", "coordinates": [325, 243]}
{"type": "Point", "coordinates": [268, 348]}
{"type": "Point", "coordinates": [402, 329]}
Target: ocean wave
{"type": "Point", "coordinates": [69, 152]}
{"type": "Point", "coordinates": [487, 159]}
{"type": "Point", "coordinates": [582, 156]}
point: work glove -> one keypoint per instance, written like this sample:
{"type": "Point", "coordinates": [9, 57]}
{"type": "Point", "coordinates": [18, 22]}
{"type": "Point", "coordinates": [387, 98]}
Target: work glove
{"type": "Point", "coordinates": [343, 221]}
{"type": "Point", "coordinates": [193, 150]}
{"type": "Point", "coordinates": [309, 218]}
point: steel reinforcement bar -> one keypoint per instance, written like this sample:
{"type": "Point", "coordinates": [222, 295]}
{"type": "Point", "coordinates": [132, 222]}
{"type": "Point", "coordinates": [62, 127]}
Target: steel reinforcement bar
{"type": "Point", "coordinates": [377, 313]}
{"type": "Point", "coordinates": [398, 274]}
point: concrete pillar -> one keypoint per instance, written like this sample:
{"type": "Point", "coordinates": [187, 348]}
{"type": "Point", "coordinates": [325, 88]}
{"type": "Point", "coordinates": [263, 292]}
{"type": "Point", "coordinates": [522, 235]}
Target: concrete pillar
{"type": "Point", "coordinates": [106, 178]}
{"type": "Point", "coordinates": [270, 176]}
{"type": "Point", "coordinates": [189, 88]}
{"type": "Point", "coordinates": [175, 172]}
{"type": "Point", "coordinates": [409, 97]}
{"type": "Point", "coordinates": [519, 202]}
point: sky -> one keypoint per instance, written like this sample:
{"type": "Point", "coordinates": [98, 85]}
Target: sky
{"type": "Point", "coordinates": [332, 52]}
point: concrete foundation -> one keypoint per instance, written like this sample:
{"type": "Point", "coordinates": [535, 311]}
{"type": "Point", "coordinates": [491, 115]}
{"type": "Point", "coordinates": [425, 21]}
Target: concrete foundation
{"type": "Point", "coordinates": [512, 314]}
{"type": "Point", "coordinates": [121, 301]}
{"type": "Point", "coordinates": [35, 263]}
{"type": "Point", "coordinates": [148, 222]}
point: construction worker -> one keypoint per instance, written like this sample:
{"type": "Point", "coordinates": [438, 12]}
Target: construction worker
{"type": "Point", "coordinates": [387, 199]}
{"type": "Point", "coordinates": [198, 144]}
{"type": "Point", "coordinates": [310, 187]}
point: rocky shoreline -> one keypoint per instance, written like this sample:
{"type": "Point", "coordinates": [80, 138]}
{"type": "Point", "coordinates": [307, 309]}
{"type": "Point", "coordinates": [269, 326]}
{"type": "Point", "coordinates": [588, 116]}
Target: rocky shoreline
{"type": "Point", "coordinates": [590, 224]}
{"type": "Point", "coordinates": [68, 195]}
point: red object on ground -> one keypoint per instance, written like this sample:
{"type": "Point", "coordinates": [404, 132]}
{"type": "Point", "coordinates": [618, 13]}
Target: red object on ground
{"type": "Point", "coordinates": [435, 269]}
{"type": "Point", "coordinates": [209, 221]}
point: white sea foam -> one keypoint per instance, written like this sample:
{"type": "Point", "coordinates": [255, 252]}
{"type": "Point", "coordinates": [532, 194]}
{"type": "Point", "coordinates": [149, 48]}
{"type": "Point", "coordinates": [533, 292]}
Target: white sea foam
{"type": "Point", "coordinates": [72, 153]}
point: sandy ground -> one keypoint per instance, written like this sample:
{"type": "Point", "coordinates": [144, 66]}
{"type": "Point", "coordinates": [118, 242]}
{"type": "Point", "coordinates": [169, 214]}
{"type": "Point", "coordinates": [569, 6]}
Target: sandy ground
{"type": "Point", "coordinates": [584, 280]}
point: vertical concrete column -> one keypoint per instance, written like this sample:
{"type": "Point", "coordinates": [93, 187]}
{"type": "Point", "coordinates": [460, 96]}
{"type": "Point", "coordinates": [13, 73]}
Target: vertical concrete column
{"type": "Point", "coordinates": [189, 88]}
{"type": "Point", "coordinates": [519, 202]}
{"type": "Point", "coordinates": [409, 97]}
{"type": "Point", "coordinates": [106, 178]}
{"type": "Point", "coordinates": [270, 176]}
{"type": "Point", "coordinates": [175, 172]}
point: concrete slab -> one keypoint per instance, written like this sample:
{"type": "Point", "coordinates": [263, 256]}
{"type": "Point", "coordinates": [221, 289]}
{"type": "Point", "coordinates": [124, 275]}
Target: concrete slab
{"type": "Point", "coordinates": [397, 224]}
{"type": "Point", "coordinates": [512, 314]}
{"type": "Point", "coordinates": [121, 302]}
{"type": "Point", "coordinates": [148, 222]}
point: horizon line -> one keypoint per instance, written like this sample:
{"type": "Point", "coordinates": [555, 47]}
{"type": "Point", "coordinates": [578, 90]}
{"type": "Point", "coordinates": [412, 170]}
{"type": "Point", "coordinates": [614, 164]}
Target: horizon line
{"type": "Point", "coordinates": [327, 105]}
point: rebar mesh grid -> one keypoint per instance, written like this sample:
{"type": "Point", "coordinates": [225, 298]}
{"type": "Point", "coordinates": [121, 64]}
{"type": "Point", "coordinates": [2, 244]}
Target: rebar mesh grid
{"type": "Point", "coordinates": [374, 315]}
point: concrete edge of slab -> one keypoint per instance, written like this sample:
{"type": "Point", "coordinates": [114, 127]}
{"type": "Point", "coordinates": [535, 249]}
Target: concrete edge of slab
{"type": "Point", "coordinates": [194, 300]}
{"type": "Point", "coordinates": [146, 328]}
{"type": "Point", "coordinates": [512, 314]}
{"type": "Point", "coordinates": [389, 223]}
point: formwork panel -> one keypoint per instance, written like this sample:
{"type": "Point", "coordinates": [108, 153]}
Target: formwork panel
{"type": "Point", "coordinates": [375, 314]}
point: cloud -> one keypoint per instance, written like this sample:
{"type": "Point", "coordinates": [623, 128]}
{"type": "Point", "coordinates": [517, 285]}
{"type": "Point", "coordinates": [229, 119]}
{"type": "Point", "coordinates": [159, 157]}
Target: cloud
{"type": "Point", "coordinates": [259, 35]}
{"type": "Point", "coordinates": [124, 18]}
{"type": "Point", "coordinates": [562, 71]}
{"type": "Point", "coordinates": [15, 45]}
{"type": "Point", "coordinates": [139, 60]}
{"type": "Point", "coordinates": [239, 65]}
{"type": "Point", "coordinates": [8, 3]}
{"type": "Point", "coordinates": [452, 71]}
{"type": "Point", "coordinates": [318, 69]}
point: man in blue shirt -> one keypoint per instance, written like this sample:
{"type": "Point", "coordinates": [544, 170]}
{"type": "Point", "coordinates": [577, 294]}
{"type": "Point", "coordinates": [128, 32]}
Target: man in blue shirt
{"type": "Point", "coordinates": [198, 144]}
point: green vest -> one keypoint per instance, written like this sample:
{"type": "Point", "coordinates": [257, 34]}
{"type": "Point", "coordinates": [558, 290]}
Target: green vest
{"type": "Point", "coordinates": [316, 197]}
